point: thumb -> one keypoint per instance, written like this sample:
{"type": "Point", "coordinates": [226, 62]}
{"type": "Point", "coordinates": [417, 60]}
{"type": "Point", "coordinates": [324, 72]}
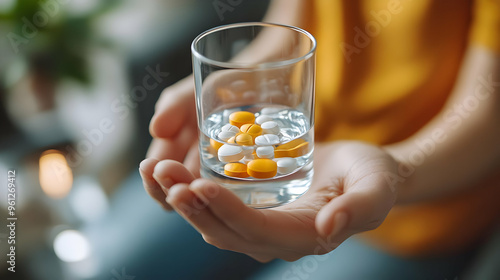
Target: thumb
{"type": "Point", "coordinates": [362, 207]}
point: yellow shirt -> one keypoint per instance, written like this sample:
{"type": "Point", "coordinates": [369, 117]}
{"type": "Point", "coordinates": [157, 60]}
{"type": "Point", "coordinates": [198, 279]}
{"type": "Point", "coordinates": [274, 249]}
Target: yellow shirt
{"type": "Point", "coordinates": [385, 68]}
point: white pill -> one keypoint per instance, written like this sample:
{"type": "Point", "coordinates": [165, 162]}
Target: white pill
{"type": "Point", "coordinates": [229, 153]}
{"type": "Point", "coordinates": [269, 111]}
{"type": "Point", "coordinates": [262, 119]}
{"type": "Point", "coordinates": [265, 152]}
{"type": "Point", "coordinates": [231, 128]}
{"type": "Point", "coordinates": [247, 159]}
{"type": "Point", "coordinates": [270, 127]}
{"type": "Point", "coordinates": [286, 165]}
{"type": "Point", "coordinates": [247, 151]}
{"type": "Point", "coordinates": [225, 135]}
{"type": "Point", "coordinates": [267, 139]}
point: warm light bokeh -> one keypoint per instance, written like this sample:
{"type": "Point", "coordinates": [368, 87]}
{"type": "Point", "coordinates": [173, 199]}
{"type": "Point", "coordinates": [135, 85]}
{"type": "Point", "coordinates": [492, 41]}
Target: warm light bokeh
{"type": "Point", "coordinates": [55, 175]}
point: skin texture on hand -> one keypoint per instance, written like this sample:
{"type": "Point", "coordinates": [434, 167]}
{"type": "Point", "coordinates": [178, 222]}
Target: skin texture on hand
{"type": "Point", "coordinates": [349, 194]}
{"type": "Point", "coordinates": [173, 126]}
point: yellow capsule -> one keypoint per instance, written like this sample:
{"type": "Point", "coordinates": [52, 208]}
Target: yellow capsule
{"type": "Point", "coordinates": [253, 129]}
{"type": "Point", "coordinates": [240, 118]}
{"type": "Point", "coordinates": [244, 139]}
{"type": "Point", "coordinates": [215, 145]}
{"type": "Point", "coordinates": [236, 169]}
{"type": "Point", "coordinates": [262, 168]}
{"type": "Point", "coordinates": [294, 148]}
{"type": "Point", "coordinates": [232, 140]}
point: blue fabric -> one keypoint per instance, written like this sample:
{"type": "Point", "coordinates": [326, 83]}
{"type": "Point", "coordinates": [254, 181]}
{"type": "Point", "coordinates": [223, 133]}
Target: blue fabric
{"type": "Point", "coordinates": [357, 261]}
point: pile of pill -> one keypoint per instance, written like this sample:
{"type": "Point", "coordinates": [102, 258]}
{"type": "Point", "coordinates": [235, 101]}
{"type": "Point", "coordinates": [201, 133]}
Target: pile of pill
{"type": "Point", "coordinates": [253, 146]}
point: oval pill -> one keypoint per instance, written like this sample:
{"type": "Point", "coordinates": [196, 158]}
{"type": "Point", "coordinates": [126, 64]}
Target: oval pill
{"type": "Point", "coordinates": [230, 153]}
{"type": "Point", "coordinates": [262, 168]}
{"type": "Point", "coordinates": [265, 152]}
{"type": "Point", "coordinates": [253, 129]}
{"type": "Point", "coordinates": [232, 140]}
{"type": "Point", "coordinates": [269, 111]}
{"type": "Point", "coordinates": [225, 135]}
{"type": "Point", "coordinates": [294, 148]}
{"type": "Point", "coordinates": [244, 139]}
{"type": "Point", "coordinates": [262, 119]}
{"type": "Point", "coordinates": [286, 165]}
{"type": "Point", "coordinates": [247, 159]}
{"type": "Point", "coordinates": [231, 128]}
{"type": "Point", "coordinates": [216, 145]}
{"type": "Point", "coordinates": [226, 113]}
{"type": "Point", "coordinates": [248, 151]}
{"type": "Point", "coordinates": [270, 127]}
{"type": "Point", "coordinates": [236, 169]}
{"type": "Point", "coordinates": [267, 140]}
{"type": "Point", "coordinates": [240, 118]}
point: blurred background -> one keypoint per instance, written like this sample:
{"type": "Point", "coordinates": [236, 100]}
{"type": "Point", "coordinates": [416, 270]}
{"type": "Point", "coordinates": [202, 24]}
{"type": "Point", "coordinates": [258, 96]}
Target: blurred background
{"type": "Point", "coordinates": [78, 84]}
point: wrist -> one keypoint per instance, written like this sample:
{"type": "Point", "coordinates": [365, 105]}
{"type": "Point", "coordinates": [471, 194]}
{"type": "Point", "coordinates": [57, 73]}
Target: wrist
{"type": "Point", "coordinates": [404, 177]}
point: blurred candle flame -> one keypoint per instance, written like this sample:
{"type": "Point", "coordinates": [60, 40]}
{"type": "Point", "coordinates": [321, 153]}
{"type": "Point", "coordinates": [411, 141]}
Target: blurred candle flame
{"type": "Point", "coordinates": [55, 175]}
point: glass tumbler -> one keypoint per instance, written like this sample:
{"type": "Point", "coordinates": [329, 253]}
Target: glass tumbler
{"type": "Point", "coordinates": [254, 86]}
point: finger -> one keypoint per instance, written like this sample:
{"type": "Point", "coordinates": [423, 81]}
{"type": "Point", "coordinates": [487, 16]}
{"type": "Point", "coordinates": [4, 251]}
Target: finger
{"type": "Point", "coordinates": [146, 169]}
{"type": "Point", "coordinates": [329, 243]}
{"type": "Point", "coordinates": [173, 109]}
{"type": "Point", "coordinates": [267, 239]}
{"type": "Point", "coordinates": [173, 148]}
{"type": "Point", "coordinates": [194, 210]}
{"type": "Point", "coordinates": [227, 207]}
{"type": "Point", "coordinates": [268, 228]}
{"type": "Point", "coordinates": [361, 208]}
{"type": "Point", "coordinates": [192, 160]}
{"type": "Point", "coordinates": [170, 172]}
{"type": "Point", "coordinates": [271, 255]}
{"type": "Point", "coordinates": [261, 258]}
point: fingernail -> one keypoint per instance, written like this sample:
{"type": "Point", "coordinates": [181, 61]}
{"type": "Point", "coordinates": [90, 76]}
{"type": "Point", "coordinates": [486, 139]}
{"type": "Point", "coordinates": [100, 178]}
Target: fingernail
{"type": "Point", "coordinates": [142, 164]}
{"type": "Point", "coordinates": [340, 222]}
{"type": "Point", "coordinates": [145, 180]}
{"type": "Point", "coordinates": [169, 198]}
{"type": "Point", "coordinates": [164, 182]}
{"type": "Point", "coordinates": [141, 172]}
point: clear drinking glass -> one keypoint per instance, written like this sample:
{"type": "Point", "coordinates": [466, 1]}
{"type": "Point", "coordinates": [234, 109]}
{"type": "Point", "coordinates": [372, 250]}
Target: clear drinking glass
{"type": "Point", "coordinates": [262, 71]}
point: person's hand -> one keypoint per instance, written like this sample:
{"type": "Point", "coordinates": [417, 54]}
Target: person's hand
{"type": "Point", "coordinates": [175, 135]}
{"type": "Point", "coordinates": [350, 193]}
{"type": "Point", "coordinates": [174, 126]}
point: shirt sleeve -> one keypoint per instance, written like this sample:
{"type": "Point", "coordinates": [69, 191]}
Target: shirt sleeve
{"type": "Point", "coordinates": [486, 24]}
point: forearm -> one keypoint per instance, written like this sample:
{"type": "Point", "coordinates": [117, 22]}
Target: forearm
{"type": "Point", "coordinates": [461, 145]}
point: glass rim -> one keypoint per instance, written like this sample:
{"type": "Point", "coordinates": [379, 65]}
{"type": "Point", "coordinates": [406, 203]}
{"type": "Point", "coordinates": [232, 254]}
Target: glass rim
{"type": "Point", "coordinates": [272, 64]}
